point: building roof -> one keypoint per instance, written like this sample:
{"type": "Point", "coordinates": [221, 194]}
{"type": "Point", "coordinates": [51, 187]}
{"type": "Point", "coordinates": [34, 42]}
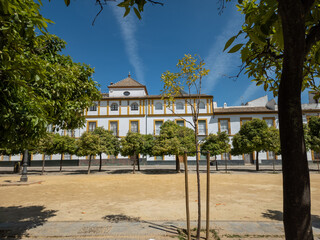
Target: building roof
{"type": "Point", "coordinates": [243, 110]}
{"type": "Point", "coordinates": [106, 96]}
{"type": "Point", "coordinates": [127, 82]}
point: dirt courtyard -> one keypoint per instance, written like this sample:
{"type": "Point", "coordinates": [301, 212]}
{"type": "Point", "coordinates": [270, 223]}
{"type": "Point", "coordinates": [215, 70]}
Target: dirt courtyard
{"type": "Point", "coordinates": [244, 197]}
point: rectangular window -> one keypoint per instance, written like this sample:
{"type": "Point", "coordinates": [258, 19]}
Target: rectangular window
{"type": "Point", "coordinates": [49, 128]}
{"type": "Point", "coordinates": [93, 108]}
{"type": "Point", "coordinates": [180, 122]}
{"type": "Point", "coordinates": [157, 126]}
{"type": "Point", "coordinates": [224, 125]}
{"type": "Point", "coordinates": [134, 126]}
{"type": "Point", "coordinates": [269, 121]}
{"type": "Point", "coordinates": [114, 127]}
{"type": "Point", "coordinates": [202, 128]}
{"type": "Point", "coordinates": [244, 120]}
{"type": "Point", "coordinates": [6, 158]}
{"type": "Point", "coordinates": [225, 156]}
{"type": "Point", "coordinates": [70, 133]}
{"type": "Point", "coordinates": [271, 155]}
{"type": "Point", "coordinates": [159, 158]}
{"type": "Point", "coordinates": [92, 126]}
{"type": "Point", "coordinates": [66, 156]}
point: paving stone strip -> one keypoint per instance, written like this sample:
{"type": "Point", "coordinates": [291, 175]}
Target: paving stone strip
{"type": "Point", "coordinates": [140, 230]}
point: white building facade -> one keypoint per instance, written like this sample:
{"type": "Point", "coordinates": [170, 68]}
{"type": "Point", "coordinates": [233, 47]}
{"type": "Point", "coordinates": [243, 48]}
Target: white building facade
{"type": "Point", "coordinates": [129, 107]}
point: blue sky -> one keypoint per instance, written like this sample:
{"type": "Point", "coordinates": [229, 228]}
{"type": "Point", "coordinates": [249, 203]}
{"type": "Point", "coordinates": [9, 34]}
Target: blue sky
{"type": "Point", "coordinates": [146, 48]}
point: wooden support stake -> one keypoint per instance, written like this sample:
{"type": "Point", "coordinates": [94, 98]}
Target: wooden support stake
{"type": "Point", "coordinates": [208, 197]}
{"type": "Point", "coordinates": [185, 159]}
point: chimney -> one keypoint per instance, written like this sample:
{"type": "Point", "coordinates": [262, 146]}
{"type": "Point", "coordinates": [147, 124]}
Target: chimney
{"type": "Point", "coordinates": [225, 105]}
{"type": "Point", "coordinates": [111, 83]}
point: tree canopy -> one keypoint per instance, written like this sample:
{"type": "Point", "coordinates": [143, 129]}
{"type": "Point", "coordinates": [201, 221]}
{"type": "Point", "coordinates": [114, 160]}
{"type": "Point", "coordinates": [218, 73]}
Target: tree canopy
{"type": "Point", "coordinates": [314, 133]}
{"type": "Point", "coordinates": [39, 86]}
{"type": "Point", "coordinates": [216, 143]}
{"type": "Point", "coordinates": [255, 135]}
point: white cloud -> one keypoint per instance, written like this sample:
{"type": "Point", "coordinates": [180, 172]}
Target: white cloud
{"type": "Point", "coordinates": [128, 28]}
{"type": "Point", "coordinates": [248, 93]}
{"type": "Point", "coordinates": [222, 64]}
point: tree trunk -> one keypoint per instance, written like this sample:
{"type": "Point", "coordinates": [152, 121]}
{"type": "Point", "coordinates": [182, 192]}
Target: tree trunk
{"type": "Point", "coordinates": [61, 162]}
{"type": "Point", "coordinates": [257, 160]}
{"type": "Point", "coordinates": [198, 177]}
{"type": "Point", "coordinates": [186, 182]}
{"type": "Point", "coordinates": [43, 162]}
{"type": "Point", "coordinates": [100, 165]}
{"type": "Point", "coordinates": [177, 164]}
{"type": "Point", "coordinates": [134, 163]}
{"type": "Point", "coordinates": [296, 181]}
{"type": "Point", "coordinates": [226, 164]}
{"type": "Point", "coordinates": [215, 158]}
{"type": "Point", "coordinates": [89, 164]}
{"type": "Point", "coordinates": [138, 161]}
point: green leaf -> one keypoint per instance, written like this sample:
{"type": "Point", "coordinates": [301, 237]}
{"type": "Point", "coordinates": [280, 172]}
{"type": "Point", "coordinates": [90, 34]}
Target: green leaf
{"type": "Point", "coordinates": [235, 48]}
{"type": "Point", "coordinates": [229, 42]}
{"type": "Point", "coordinates": [127, 12]}
{"type": "Point", "coordinates": [137, 13]}
{"type": "Point", "coordinates": [67, 2]}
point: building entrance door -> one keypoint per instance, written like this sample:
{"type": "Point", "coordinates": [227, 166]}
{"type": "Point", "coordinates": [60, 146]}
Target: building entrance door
{"type": "Point", "coordinates": [248, 158]}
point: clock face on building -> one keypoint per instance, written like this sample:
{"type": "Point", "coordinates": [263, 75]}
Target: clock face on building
{"type": "Point", "coordinates": [126, 93]}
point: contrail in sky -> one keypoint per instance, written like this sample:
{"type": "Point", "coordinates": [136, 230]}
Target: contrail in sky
{"type": "Point", "coordinates": [128, 28]}
{"type": "Point", "coordinates": [222, 63]}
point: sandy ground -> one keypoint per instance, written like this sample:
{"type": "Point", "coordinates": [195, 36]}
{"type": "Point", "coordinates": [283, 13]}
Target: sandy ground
{"type": "Point", "coordinates": [246, 197]}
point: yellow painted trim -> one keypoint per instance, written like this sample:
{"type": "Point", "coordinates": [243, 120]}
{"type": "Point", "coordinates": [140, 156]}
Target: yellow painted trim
{"type": "Point", "coordinates": [21, 156]}
{"type": "Point", "coordinates": [120, 107]}
{"type": "Point", "coordinates": [152, 107]}
{"type": "Point", "coordinates": [99, 108]}
{"type": "Point", "coordinates": [208, 109]}
{"type": "Point", "coordinates": [186, 106]}
{"type": "Point", "coordinates": [272, 118]}
{"type": "Point", "coordinates": [144, 107]}
{"type": "Point", "coordinates": [31, 158]}
{"type": "Point", "coordinates": [245, 118]}
{"type": "Point", "coordinates": [44, 155]}
{"type": "Point", "coordinates": [116, 116]}
{"type": "Point", "coordinates": [86, 111]}
{"type": "Point", "coordinates": [172, 106]}
{"type": "Point", "coordinates": [107, 107]}
{"type": "Point", "coordinates": [244, 113]}
{"type": "Point", "coordinates": [219, 125]}
{"type": "Point", "coordinates": [154, 124]}
{"type": "Point", "coordinates": [164, 106]}
{"type": "Point", "coordinates": [89, 122]}
{"type": "Point", "coordinates": [148, 106]}
{"type": "Point", "coordinates": [184, 121]}
{"type": "Point", "coordinates": [109, 123]}
{"type": "Point", "coordinates": [211, 106]}
{"type": "Point", "coordinates": [230, 156]}
{"type": "Point", "coordinates": [203, 119]}
{"type": "Point", "coordinates": [135, 120]}
{"type": "Point", "coordinates": [140, 107]}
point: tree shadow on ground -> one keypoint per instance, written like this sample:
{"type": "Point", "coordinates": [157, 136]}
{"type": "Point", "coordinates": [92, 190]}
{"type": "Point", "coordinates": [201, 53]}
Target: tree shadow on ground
{"type": "Point", "coordinates": [168, 228]}
{"type": "Point", "coordinates": [16, 221]}
{"type": "Point", "coordinates": [278, 216]}
{"type": "Point", "coordinates": [160, 171]}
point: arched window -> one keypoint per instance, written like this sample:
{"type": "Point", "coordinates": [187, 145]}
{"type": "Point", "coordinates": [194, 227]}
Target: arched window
{"type": "Point", "coordinates": [202, 106]}
{"type": "Point", "coordinates": [114, 107]}
{"type": "Point", "coordinates": [158, 106]}
{"type": "Point", "coordinates": [179, 106]}
{"type": "Point", "coordinates": [134, 107]}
